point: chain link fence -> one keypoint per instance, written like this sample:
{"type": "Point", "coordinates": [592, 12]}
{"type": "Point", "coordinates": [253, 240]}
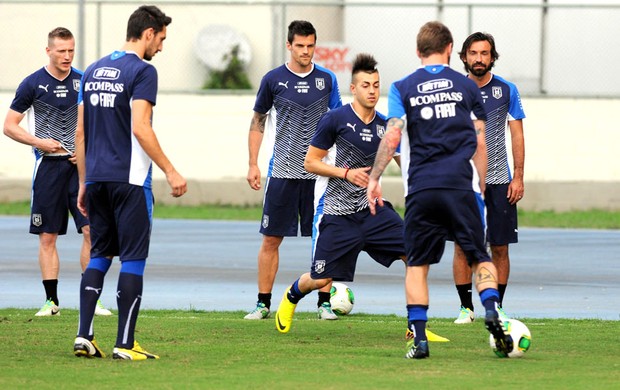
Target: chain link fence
{"type": "Point", "coordinates": [546, 49]}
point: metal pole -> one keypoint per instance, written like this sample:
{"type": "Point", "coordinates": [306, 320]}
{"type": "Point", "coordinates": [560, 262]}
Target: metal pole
{"type": "Point", "coordinates": [81, 36]}
{"type": "Point", "coordinates": [543, 38]}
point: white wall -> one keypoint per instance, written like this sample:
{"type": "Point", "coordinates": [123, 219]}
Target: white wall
{"type": "Point", "coordinates": [205, 136]}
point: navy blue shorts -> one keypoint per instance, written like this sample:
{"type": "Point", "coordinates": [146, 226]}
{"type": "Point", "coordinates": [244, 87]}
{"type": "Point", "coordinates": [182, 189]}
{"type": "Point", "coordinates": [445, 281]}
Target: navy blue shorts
{"type": "Point", "coordinates": [54, 195]}
{"type": "Point", "coordinates": [502, 228]}
{"type": "Point", "coordinates": [288, 204]}
{"type": "Point", "coordinates": [121, 216]}
{"type": "Point", "coordinates": [431, 216]}
{"type": "Point", "coordinates": [339, 239]}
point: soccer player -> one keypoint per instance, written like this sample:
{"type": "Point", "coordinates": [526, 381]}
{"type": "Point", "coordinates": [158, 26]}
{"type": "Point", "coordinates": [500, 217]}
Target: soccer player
{"type": "Point", "coordinates": [115, 147]}
{"type": "Point", "coordinates": [48, 97]}
{"type": "Point", "coordinates": [443, 157]}
{"type": "Point", "coordinates": [341, 153]}
{"type": "Point", "coordinates": [503, 189]}
{"type": "Point", "coordinates": [290, 101]}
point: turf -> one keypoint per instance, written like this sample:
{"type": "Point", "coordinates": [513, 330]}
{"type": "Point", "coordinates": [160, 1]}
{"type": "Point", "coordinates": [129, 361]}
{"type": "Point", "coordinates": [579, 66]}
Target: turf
{"type": "Point", "coordinates": [220, 350]}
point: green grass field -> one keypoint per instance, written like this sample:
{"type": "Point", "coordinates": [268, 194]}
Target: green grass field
{"type": "Point", "coordinates": [591, 219]}
{"type": "Point", "coordinates": [220, 350]}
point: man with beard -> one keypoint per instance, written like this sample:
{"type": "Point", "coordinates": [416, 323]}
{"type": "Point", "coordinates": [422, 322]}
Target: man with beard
{"type": "Point", "coordinates": [504, 188]}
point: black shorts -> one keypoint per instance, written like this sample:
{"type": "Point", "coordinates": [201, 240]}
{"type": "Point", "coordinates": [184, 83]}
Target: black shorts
{"type": "Point", "coordinates": [339, 239]}
{"type": "Point", "coordinates": [121, 216]}
{"type": "Point", "coordinates": [502, 227]}
{"type": "Point", "coordinates": [431, 216]}
{"type": "Point", "coordinates": [288, 203]}
{"type": "Point", "coordinates": [54, 195]}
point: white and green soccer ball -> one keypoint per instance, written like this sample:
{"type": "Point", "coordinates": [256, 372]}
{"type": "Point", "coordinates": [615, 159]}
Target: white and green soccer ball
{"type": "Point", "coordinates": [341, 298]}
{"type": "Point", "coordinates": [521, 339]}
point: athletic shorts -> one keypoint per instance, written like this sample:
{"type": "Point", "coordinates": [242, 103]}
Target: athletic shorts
{"type": "Point", "coordinates": [339, 239]}
{"type": "Point", "coordinates": [431, 216]}
{"type": "Point", "coordinates": [502, 228]}
{"type": "Point", "coordinates": [288, 204]}
{"type": "Point", "coordinates": [121, 216]}
{"type": "Point", "coordinates": [54, 195]}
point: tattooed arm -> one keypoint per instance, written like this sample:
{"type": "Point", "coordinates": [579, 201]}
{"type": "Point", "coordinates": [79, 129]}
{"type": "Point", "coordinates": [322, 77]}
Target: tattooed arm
{"type": "Point", "coordinates": [480, 157]}
{"type": "Point", "coordinates": [255, 138]}
{"type": "Point", "coordinates": [386, 151]}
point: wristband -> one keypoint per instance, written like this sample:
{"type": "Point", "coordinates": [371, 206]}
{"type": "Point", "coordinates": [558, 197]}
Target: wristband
{"type": "Point", "coordinates": [345, 173]}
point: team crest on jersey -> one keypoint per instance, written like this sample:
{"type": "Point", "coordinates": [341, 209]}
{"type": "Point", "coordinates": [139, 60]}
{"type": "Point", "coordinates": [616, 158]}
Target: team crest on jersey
{"type": "Point", "coordinates": [497, 92]}
{"type": "Point", "coordinates": [37, 220]}
{"type": "Point", "coordinates": [380, 131]}
{"type": "Point", "coordinates": [320, 83]}
{"type": "Point", "coordinates": [319, 266]}
{"type": "Point", "coordinates": [265, 222]}
{"type": "Point", "coordinates": [76, 85]}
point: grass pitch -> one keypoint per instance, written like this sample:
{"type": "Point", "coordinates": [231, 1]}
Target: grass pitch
{"type": "Point", "coordinates": [220, 350]}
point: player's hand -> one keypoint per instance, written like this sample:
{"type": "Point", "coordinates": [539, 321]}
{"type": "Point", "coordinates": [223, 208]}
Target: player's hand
{"type": "Point", "coordinates": [515, 190]}
{"type": "Point", "coordinates": [373, 193]}
{"type": "Point", "coordinates": [81, 200]}
{"type": "Point", "coordinates": [254, 177]}
{"type": "Point", "coordinates": [49, 145]}
{"type": "Point", "coordinates": [177, 183]}
{"type": "Point", "coordinates": [359, 176]}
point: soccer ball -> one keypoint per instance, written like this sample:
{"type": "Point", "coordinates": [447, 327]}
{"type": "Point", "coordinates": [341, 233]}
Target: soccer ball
{"type": "Point", "coordinates": [521, 339]}
{"type": "Point", "coordinates": [341, 298]}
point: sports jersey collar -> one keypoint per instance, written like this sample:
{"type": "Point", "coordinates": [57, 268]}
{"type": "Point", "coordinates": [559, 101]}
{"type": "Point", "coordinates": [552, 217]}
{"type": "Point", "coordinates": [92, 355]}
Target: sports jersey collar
{"type": "Point", "coordinates": [487, 83]}
{"type": "Point", "coordinates": [51, 75]}
{"type": "Point", "coordinates": [374, 114]}
{"type": "Point", "coordinates": [302, 75]}
{"type": "Point", "coordinates": [121, 53]}
{"type": "Point", "coordinates": [434, 68]}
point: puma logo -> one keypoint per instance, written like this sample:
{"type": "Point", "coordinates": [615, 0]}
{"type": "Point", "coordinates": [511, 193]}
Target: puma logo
{"type": "Point", "coordinates": [352, 126]}
{"type": "Point", "coordinates": [88, 288]}
{"type": "Point", "coordinates": [285, 85]}
{"type": "Point", "coordinates": [44, 88]}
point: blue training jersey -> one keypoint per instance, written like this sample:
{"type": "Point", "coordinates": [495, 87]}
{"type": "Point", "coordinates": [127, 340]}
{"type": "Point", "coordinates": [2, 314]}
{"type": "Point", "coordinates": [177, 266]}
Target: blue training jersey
{"type": "Point", "coordinates": [351, 144]}
{"type": "Point", "coordinates": [50, 106]}
{"type": "Point", "coordinates": [502, 103]}
{"type": "Point", "coordinates": [295, 103]}
{"type": "Point", "coordinates": [113, 154]}
{"type": "Point", "coordinates": [438, 105]}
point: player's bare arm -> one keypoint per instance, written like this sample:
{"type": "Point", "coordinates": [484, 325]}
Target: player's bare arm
{"type": "Point", "coordinates": [386, 151]}
{"type": "Point", "coordinates": [314, 163]}
{"type": "Point", "coordinates": [13, 130]}
{"type": "Point", "coordinates": [255, 138]}
{"type": "Point", "coordinates": [516, 188]}
{"type": "Point", "coordinates": [141, 113]}
{"type": "Point", "coordinates": [480, 157]}
{"type": "Point", "coordinates": [80, 159]}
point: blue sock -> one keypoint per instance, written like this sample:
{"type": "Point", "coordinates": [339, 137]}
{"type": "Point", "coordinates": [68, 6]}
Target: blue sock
{"type": "Point", "coordinates": [417, 318]}
{"type": "Point", "coordinates": [490, 298]}
{"type": "Point", "coordinates": [91, 286]}
{"type": "Point", "coordinates": [128, 299]}
{"type": "Point", "coordinates": [295, 295]}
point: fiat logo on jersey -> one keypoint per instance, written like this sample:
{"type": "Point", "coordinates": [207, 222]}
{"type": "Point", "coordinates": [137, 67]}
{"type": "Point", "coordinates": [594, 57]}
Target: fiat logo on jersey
{"type": "Point", "coordinates": [497, 92]}
{"type": "Point", "coordinates": [320, 84]}
{"type": "Point", "coordinates": [106, 73]}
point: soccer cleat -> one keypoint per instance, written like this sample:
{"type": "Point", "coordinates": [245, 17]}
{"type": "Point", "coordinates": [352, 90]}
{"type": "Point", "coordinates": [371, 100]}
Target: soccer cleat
{"type": "Point", "coordinates": [136, 353]}
{"type": "Point", "coordinates": [48, 309]}
{"type": "Point", "coordinates": [285, 313]}
{"type": "Point", "coordinates": [419, 351]}
{"type": "Point", "coordinates": [502, 314]}
{"type": "Point", "coordinates": [326, 313]}
{"type": "Point", "coordinates": [261, 312]}
{"type": "Point", "coordinates": [87, 348]}
{"type": "Point", "coordinates": [466, 316]}
{"type": "Point", "coordinates": [100, 310]}
{"type": "Point", "coordinates": [495, 326]}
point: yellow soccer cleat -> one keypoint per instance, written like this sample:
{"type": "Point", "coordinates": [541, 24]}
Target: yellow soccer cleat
{"type": "Point", "coordinates": [136, 353]}
{"type": "Point", "coordinates": [285, 313]}
{"type": "Point", "coordinates": [83, 347]}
